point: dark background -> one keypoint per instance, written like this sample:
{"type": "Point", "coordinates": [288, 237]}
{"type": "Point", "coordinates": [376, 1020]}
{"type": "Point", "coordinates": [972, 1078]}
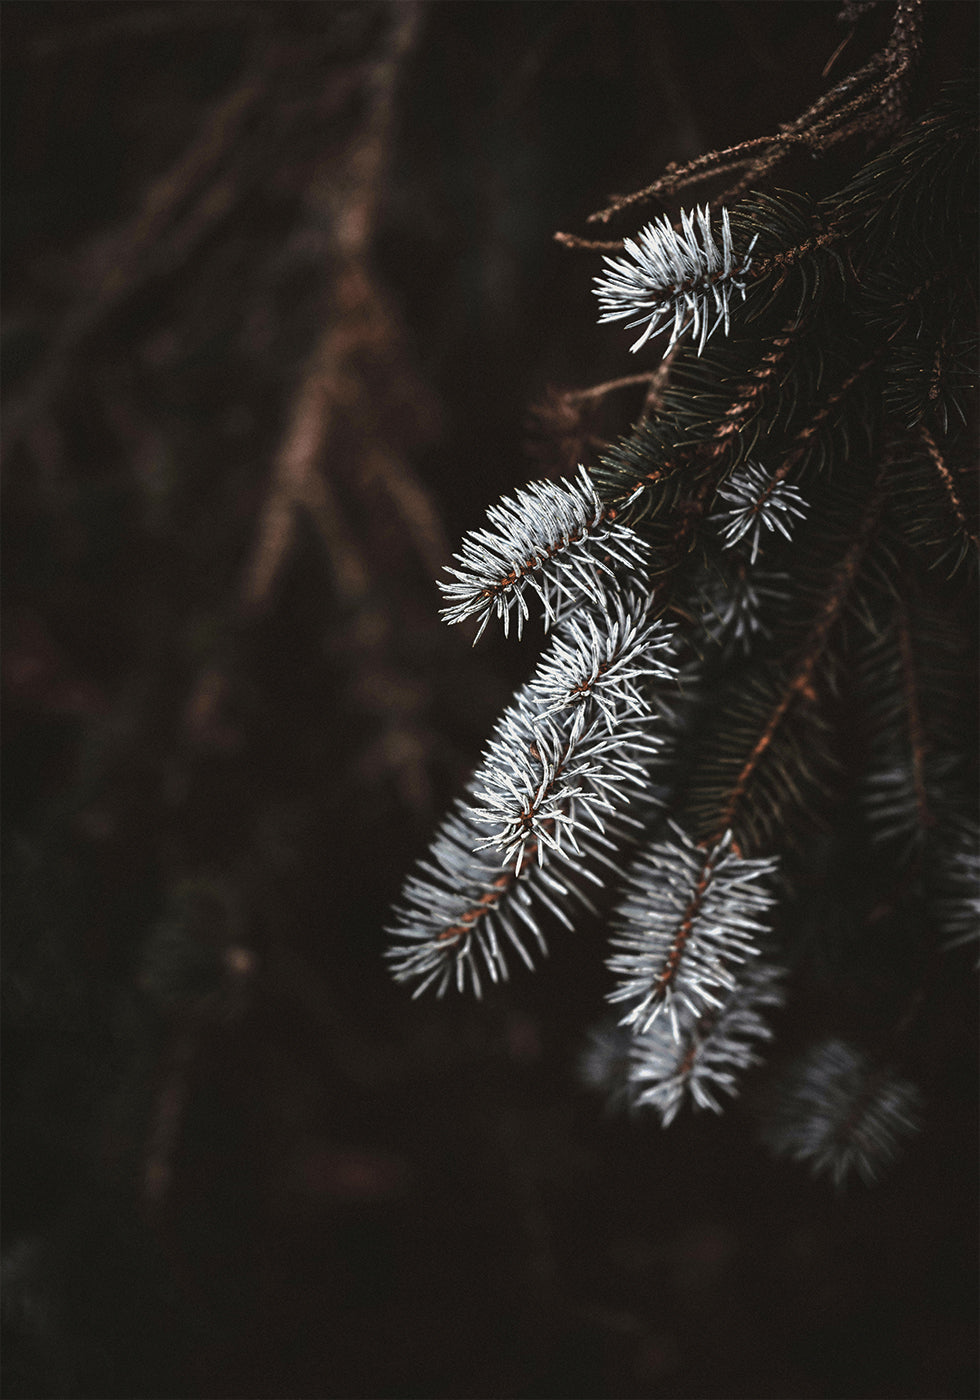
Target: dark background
{"type": "Point", "coordinates": [280, 296]}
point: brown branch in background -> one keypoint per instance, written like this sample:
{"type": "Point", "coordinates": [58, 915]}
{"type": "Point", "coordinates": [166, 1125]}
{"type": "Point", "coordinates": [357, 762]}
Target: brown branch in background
{"type": "Point", "coordinates": [394, 474]}
{"type": "Point", "coordinates": [357, 404]}
{"type": "Point", "coordinates": [298, 480]}
{"type": "Point", "coordinates": [868, 102]}
{"type": "Point", "coordinates": [330, 399]}
{"type": "Point", "coordinates": [124, 261]}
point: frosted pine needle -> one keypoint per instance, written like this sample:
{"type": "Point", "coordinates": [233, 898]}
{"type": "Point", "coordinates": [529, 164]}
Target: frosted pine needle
{"type": "Point", "coordinates": [556, 538]}
{"type": "Point", "coordinates": [840, 1113]}
{"type": "Point", "coordinates": [605, 661]}
{"type": "Point", "coordinates": [461, 914]}
{"type": "Point", "coordinates": [713, 1051]}
{"type": "Point", "coordinates": [541, 783]}
{"type": "Point", "coordinates": [669, 276]}
{"type": "Point", "coordinates": [689, 918]}
{"type": "Point", "coordinates": [757, 500]}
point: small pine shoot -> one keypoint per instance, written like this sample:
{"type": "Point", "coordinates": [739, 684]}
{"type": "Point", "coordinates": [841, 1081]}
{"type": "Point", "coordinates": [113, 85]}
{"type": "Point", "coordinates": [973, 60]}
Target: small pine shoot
{"type": "Point", "coordinates": [839, 1114]}
{"type": "Point", "coordinates": [678, 278]}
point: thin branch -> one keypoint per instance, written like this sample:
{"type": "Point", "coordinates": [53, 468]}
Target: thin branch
{"type": "Point", "coordinates": [949, 485]}
{"type": "Point", "coordinates": [800, 684]}
{"type": "Point", "coordinates": [878, 98]}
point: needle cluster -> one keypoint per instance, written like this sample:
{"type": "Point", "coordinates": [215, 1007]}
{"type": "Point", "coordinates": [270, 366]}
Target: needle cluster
{"type": "Point", "coordinates": [758, 501]}
{"type": "Point", "coordinates": [555, 539]}
{"type": "Point", "coordinates": [688, 919]}
{"type": "Point", "coordinates": [712, 1052]}
{"type": "Point", "coordinates": [680, 278]}
{"type": "Point", "coordinates": [839, 1113]}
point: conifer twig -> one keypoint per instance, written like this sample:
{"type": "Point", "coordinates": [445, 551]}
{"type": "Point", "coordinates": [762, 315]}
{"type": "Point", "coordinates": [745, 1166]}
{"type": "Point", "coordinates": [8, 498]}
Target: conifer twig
{"type": "Point", "coordinates": [878, 91]}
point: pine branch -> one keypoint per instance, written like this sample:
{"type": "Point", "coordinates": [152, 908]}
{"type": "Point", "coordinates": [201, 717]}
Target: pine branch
{"type": "Point", "coordinates": [713, 1051]}
{"type": "Point", "coordinates": [459, 913]}
{"type": "Point", "coordinates": [866, 102]}
{"type": "Point", "coordinates": [688, 916]}
{"type": "Point", "coordinates": [570, 754]}
{"type": "Point", "coordinates": [605, 662]}
{"type": "Point", "coordinates": [541, 783]}
{"type": "Point", "coordinates": [840, 1114]}
{"type": "Point", "coordinates": [777, 720]}
{"type": "Point", "coordinates": [681, 276]}
{"type": "Point", "coordinates": [556, 539]}
{"type": "Point", "coordinates": [813, 425]}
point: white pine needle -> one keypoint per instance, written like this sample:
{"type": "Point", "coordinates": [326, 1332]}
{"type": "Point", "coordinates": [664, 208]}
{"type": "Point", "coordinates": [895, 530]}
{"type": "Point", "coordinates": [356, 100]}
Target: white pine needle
{"type": "Point", "coordinates": [756, 503]}
{"type": "Point", "coordinates": [681, 277]}
{"type": "Point", "coordinates": [541, 782]}
{"type": "Point", "coordinates": [688, 918]}
{"type": "Point", "coordinates": [606, 661]}
{"type": "Point", "coordinates": [554, 538]}
{"type": "Point", "coordinates": [713, 1051]}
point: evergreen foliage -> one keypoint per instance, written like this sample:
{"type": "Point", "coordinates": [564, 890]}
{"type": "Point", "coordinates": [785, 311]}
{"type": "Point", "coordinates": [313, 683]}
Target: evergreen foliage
{"type": "Point", "coordinates": [278, 283]}
{"type": "Point", "coordinates": [796, 511]}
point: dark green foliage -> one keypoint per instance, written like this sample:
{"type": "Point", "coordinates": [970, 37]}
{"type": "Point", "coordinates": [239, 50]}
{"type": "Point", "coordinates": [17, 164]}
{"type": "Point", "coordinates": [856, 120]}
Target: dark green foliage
{"type": "Point", "coordinates": [848, 372]}
{"type": "Point", "coordinates": [826, 426]}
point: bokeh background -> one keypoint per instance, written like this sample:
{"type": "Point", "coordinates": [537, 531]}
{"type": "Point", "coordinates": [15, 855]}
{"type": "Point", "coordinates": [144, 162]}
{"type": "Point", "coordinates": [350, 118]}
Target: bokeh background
{"type": "Point", "coordinates": [283, 313]}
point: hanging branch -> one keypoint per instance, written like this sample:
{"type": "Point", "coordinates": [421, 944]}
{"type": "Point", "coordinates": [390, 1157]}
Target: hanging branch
{"type": "Point", "coordinates": [687, 918]}
{"type": "Point", "coordinates": [556, 538]}
{"type": "Point", "coordinates": [837, 1112]}
{"type": "Point", "coordinates": [867, 102]}
{"type": "Point", "coordinates": [794, 438]}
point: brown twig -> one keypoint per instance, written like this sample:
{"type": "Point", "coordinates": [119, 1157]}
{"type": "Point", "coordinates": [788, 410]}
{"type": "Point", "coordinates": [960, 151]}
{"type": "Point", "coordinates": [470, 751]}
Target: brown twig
{"type": "Point", "coordinates": [298, 482]}
{"type": "Point", "coordinates": [123, 257]}
{"type": "Point", "coordinates": [949, 485]}
{"type": "Point", "coordinates": [868, 101]}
